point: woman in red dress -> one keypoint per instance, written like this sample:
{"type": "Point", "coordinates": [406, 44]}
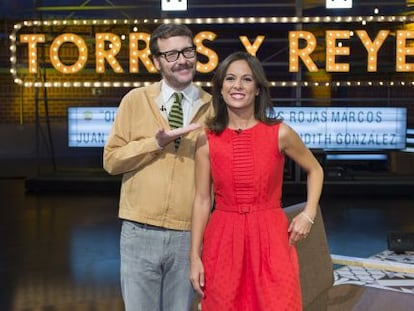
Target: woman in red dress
{"type": "Point", "coordinates": [243, 256]}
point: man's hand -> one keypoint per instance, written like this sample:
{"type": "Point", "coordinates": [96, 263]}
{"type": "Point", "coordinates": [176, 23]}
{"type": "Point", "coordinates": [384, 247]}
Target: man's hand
{"type": "Point", "coordinates": [164, 137]}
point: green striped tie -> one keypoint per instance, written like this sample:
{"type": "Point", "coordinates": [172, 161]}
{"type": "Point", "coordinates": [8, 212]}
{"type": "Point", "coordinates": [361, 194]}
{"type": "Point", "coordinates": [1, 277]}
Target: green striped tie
{"type": "Point", "coordinates": [175, 117]}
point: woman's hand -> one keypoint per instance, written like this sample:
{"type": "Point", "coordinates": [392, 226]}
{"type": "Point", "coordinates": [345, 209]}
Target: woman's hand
{"type": "Point", "coordinates": [299, 228]}
{"type": "Point", "coordinates": [197, 275]}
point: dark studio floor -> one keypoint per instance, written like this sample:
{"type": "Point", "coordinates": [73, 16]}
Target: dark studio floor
{"type": "Point", "coordinates": [59, 251]}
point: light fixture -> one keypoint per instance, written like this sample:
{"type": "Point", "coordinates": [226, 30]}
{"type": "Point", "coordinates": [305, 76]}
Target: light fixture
{"type": "Point", "coordinates": [338, 4]}
{"type": "Point", "coordinates": [173, 5]}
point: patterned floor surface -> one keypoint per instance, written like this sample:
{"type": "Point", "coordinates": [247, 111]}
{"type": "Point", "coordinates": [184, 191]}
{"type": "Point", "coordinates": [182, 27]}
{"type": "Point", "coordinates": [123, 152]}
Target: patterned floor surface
{"type": "Point", "coordinates": [396, 281]}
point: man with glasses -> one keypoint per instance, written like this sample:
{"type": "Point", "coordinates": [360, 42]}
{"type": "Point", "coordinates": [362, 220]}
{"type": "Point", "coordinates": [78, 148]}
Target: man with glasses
{"type": "Point", "coordinates": [157, 163]}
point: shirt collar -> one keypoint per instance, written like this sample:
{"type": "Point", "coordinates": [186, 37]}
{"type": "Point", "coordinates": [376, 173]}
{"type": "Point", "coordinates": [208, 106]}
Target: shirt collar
{"type": "Point", "coordinates": [190, 93]}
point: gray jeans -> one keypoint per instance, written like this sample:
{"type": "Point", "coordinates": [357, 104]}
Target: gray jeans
{"type": "Point", "coordinates": [155, 268]}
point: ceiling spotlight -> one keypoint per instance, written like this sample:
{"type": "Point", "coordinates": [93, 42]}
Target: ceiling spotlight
{"type": "Point", "coordinates": [338, 4]}
{"type": "Point", "coordinates": [173, 5]}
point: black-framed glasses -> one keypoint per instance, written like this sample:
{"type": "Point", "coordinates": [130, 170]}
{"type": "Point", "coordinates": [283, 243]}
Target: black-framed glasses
{"type": "Point", "coordinates": [172, 56]}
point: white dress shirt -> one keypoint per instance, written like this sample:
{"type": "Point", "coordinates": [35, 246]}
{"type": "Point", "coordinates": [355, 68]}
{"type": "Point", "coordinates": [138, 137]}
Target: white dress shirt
{"type": "Point", "coordinates": [190, 96]}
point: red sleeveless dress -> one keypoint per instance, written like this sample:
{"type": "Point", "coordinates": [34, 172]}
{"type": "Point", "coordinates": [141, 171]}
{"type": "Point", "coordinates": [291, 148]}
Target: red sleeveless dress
{"type": "Point", "coordinates": [249, 264]}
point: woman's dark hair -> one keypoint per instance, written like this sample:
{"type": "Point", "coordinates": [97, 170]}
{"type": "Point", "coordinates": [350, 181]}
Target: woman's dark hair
{"type": "Point", "coordinates": [165, 31]}
{"type": "Point", "coordinates": [262, 106]}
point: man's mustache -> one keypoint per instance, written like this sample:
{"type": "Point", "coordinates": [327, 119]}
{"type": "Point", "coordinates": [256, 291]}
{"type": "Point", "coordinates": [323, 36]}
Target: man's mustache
{"type": "Point", "coordinates": [183, 66]}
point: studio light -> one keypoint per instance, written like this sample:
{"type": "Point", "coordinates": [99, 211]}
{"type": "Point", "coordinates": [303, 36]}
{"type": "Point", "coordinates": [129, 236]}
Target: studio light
{"type": "Point", "coordinates": [173, 5]}
{"type": "Point", "coordinates": [338, 4]}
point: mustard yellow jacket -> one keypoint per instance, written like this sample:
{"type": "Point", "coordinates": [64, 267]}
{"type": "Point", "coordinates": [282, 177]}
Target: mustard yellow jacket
{"type": "Point", "coordinates": [157, 184]}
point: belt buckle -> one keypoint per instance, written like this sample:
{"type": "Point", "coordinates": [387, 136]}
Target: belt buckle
{"type": "Point", "coordinates": [244, 208]}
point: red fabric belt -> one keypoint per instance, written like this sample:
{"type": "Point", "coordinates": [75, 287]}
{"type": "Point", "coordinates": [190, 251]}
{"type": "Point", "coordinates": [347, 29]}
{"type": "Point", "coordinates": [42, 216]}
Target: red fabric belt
{"type": "Point", "coordinates": [247, 208]}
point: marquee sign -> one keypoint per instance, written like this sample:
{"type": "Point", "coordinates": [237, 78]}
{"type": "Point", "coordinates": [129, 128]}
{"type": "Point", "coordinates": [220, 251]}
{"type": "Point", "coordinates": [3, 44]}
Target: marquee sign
{"type": "Point", "coordinates": [111, 47]}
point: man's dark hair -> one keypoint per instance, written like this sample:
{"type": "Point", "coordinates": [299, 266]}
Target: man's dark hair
{"type": "Point", "coordinates": [165, 31]}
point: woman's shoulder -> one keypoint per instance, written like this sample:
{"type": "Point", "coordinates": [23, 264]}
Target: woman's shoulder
{"type": "Point", "coordinates": [203, 135]}
{"type": "Point", "coordinates": [287, 136]}
{"type": "Point", "coordinates": [284, 129]}
{"type": "Point", "coordinates": [277, 126]}
{"type": "Point", "coordinates": [202, 141]}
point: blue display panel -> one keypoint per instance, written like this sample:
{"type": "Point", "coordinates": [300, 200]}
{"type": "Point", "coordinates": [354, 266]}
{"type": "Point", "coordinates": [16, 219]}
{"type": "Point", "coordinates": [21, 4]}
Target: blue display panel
{"type": "Point", "coordinates": [328, 128]}
{"type": "Point", "coordinates": [350, 128]}
{"type": "Point", "coordinates": [89, 126]}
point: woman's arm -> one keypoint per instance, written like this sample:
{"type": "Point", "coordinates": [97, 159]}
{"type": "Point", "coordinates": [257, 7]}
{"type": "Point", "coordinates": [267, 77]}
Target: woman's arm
{"type": "Point", "coordinates": [201, 211]}
{"type": "Point", "coordinates": [291, 144]}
